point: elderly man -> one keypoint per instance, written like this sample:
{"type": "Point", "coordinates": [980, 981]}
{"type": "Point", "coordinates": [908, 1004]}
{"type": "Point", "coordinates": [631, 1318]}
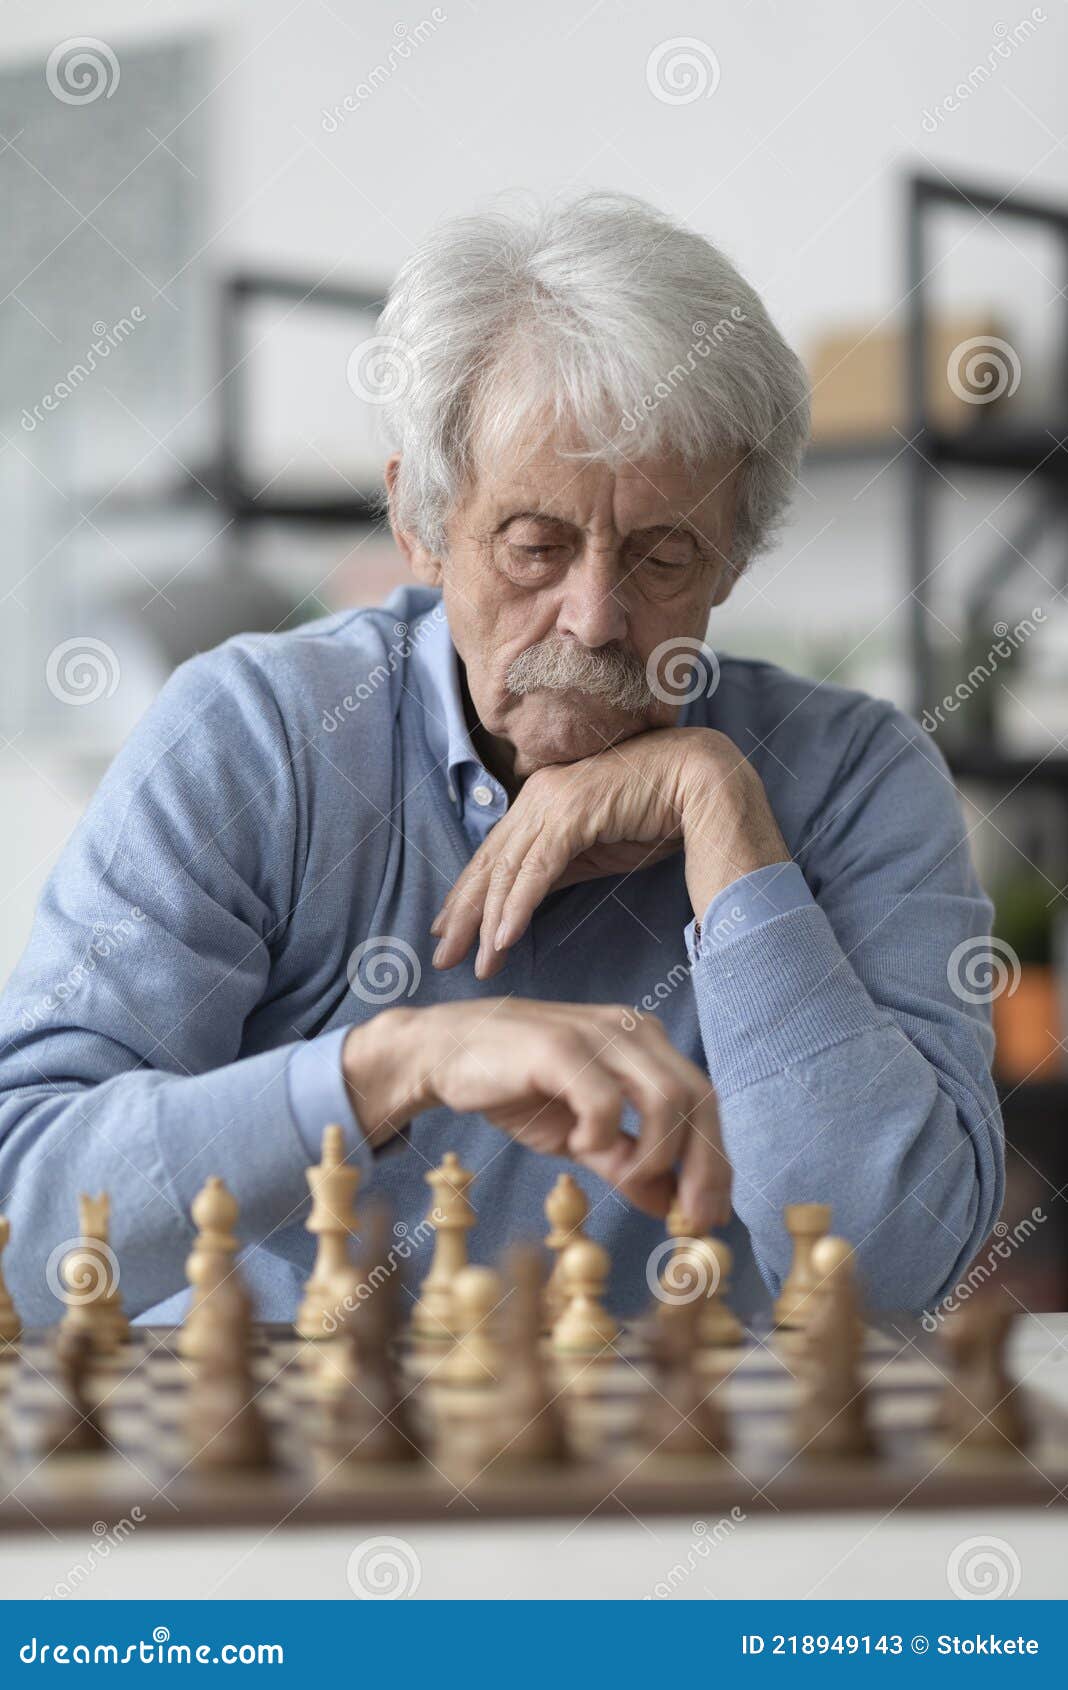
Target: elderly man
{"type": "Point", "coordinates": [515, 865]}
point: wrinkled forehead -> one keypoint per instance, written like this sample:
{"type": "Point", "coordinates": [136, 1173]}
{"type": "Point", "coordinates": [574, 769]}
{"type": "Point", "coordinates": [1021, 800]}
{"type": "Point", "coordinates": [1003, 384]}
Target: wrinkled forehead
{"type": "Point", "coordinates": [547, 469]}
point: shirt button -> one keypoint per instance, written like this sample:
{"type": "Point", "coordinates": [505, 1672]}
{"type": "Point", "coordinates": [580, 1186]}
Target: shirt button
{"type": "Point", "coordinates": [482, 795]}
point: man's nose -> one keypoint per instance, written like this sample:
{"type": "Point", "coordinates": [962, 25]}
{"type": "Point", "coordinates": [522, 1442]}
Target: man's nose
{"type": "Point", "coordinates": [591, 610]}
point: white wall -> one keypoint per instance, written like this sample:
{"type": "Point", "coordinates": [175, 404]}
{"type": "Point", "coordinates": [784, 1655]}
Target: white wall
{"type": "Point", "coordinates": [793, 165]}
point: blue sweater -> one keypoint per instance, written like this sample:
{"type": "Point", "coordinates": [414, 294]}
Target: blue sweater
{"type": "Point", "coordinates": [180, 1007]}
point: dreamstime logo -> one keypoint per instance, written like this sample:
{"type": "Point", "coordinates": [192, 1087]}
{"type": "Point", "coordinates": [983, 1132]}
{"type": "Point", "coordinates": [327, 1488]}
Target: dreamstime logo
{"type": "Point", "coordinates": [1006, 1240]}
{"type": "Point", "coordinates": [81, 69]}
{"type": "Point", "coordinates": [405, 41]}
{"type": "Point", "coordinates": [983, 1569]}
{"type": "Point", "coordinates": [106, 941]}
{"type": "Point", "coordinates": [982, 968]}
{"type": "Point", "coordinates": [406, 1241]}
{"type": "Point", "coordinates": [982, 369]}
{"type": "Point", "coordinates": [82, 670]}
{"type": "Point", "coordinates": [683, 1278]}
{"type": "Point", "coordinates": [1006, 41]}
{"type": "Point", "coordinates": [383, 969]}
{"type": "Point", "coordinates": [108, 1538]}
{"type": "Point", "coordinates": [659, 994]}
{"type": "Point", "coordinates": [406, 642]}
{"type": "Point", "coordinates": [703, 1539]}
{"type": "Point", "coordinates": [381, 369]}
{"type": "Point", "coordinates": [81, 1271]}
{"type": "Point", "coordinates": [682, 70]}
{"type": "Point", "coordinates": [703, 345]}
{"type": "Point", "coordinates": [382, 1569]}
{"type": "Point", "coordinates": [1007, 642]}
{"type": "Point", "coordinates": [682, 669]}
{"type": "Point", "coordinates": [107, 338]}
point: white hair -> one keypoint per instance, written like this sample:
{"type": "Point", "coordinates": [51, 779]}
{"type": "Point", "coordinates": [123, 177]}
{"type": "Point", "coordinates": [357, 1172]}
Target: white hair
{"type": "Point", "coordinates": [598, 316]}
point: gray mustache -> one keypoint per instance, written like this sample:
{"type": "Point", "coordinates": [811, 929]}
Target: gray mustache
{"type": "Point", "coordinates": [615, 676]}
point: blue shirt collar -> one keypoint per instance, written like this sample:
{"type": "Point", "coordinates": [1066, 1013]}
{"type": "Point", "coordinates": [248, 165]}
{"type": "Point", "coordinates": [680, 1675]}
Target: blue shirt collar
{"type": "Point", "coordinates": [438, 669]}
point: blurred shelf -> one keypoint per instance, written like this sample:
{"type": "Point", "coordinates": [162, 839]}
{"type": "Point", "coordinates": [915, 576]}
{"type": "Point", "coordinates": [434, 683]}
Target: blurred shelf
{"type": "Point", "coordinates": [342, 510]}
{"type": "Point", "coordinates": [865, 449]}
{"type": "Point", "coordinates": [1035, 447]}
{"type": "Point", "coordinates": [1006, 768]}
{"type": "Point", "coordinates": [206, 491]}
{"type": "Point", "coordinates": [1031, 448]}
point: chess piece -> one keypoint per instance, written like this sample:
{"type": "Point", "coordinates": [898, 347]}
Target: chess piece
{"type": "Point", "coordinates": [224, 1422]}
{"type": "Point", "coordinates": [680, 1279]}
{"type": "Point", "coordinates": [452, 1217]}
{"type": "Point", "coordinates": [717, 1327]}
{"type": "Point", "coordinates": [10, 1325]}
{"type": "Point", "coordinates": [981, 1409]}
{"type": "Point", "coordinates": [90, 1274]}
{"type": "Point", "coordinates": [683, 1418]}
{"type": "Point", "coordinates": [566, 1208]}
{"type": "Point", "coordinates": [73, 1427]}
{"type": "Point", "coordinates": [585, 1327]}
{"type": "Point", "coordinates": [807, 1223]}
{"type": "Point", "coordinates": [364, 1414]}
{"type": "Point", "coordinates": [533, 1424]}
{"type": "Point", "coordinates": [212, 1257]}
{"type": "Point", "coordinates": [832, 1417]}
{"type": "Point", "coordinates": [333, 1361]}
{"type": "Point", "coordinates": [333, 1280]}
{"type": "Point", "coordinates": [475, 1358]}
{"type": "Point", "coordinates": [698, 1271]}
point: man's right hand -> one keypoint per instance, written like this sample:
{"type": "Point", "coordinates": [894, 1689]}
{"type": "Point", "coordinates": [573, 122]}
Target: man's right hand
{"type": "Point", "coordinates": [555, 1076]}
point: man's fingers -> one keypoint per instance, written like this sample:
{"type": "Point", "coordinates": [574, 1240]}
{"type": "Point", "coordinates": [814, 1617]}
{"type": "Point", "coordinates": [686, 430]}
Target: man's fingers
{"type": "Point", "coordinates": [679, 1127]}
{"type": "Point", "coordinates": [661, 1105]}
{"type": "Point", "coordinates": [597, 1100]}
{"type": "Point", "coordinates": [462, 914]}
{"type": "Point", "coordinates": [458, 919]}
{"type": "Point", "coordinates": [705, 1174]}
{"type": "Point", "coordinates": [533, 878]}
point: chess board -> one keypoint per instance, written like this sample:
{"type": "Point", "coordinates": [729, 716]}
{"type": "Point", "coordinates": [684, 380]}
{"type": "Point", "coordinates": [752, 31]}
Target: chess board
{"type": "Point", "coordinates": [141, 1393]}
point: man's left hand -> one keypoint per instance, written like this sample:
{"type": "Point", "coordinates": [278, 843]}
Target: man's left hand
{"type": "Point", "coordinates": [627, 807]}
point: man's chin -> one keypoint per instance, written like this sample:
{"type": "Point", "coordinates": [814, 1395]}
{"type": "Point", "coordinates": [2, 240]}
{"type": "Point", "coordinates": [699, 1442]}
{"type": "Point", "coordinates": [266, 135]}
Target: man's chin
{"type": "Point", "coordinates": [563, 727]}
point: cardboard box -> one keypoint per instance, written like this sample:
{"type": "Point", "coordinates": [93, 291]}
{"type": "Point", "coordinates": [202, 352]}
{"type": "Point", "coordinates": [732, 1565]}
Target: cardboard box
{"type": "Point", "coordinates": [859, 377]}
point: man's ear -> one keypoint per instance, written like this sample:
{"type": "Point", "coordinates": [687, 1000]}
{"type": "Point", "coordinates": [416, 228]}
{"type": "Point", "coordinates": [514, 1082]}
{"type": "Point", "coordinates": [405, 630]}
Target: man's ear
{"type": "Point", "coordinates": [422, 564]}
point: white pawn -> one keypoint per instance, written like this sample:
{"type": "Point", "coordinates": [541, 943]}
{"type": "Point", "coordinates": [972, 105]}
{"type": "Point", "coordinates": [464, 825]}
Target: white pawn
{"type": "Point", "coordinates": [717, 1325]}
{"type": "Point", "coordinates": [806, 1223]}
{"type": "Point", "coordinates": [585, 1327]}
{"type": "Point", "coordinates": [214, 1214]}
{"type": "Point", "coordinates": [566, 1208]}
{"type": "Point", "coordinates": [476, 1357]}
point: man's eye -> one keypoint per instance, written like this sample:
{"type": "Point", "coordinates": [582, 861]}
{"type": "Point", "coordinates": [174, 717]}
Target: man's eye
{"type": "Point", "coordinates": [665, 563]}
{"type": "Point", "coordinates": [539, 554]}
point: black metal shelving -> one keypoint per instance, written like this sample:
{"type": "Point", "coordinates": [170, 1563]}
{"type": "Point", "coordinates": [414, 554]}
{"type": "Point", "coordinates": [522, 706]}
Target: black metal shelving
{"type": "Point", "coordinates": [992, 446]}
{"type": "Point", "coordinates": [238, 293]}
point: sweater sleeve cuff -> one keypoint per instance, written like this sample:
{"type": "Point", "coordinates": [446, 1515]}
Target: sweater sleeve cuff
{"type": "Point", "coordinates": [776, 994]}
{"type": "Point", "coordinates": [767, 892]}
{"type": "Point", "coordinates": [318, 1097]}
